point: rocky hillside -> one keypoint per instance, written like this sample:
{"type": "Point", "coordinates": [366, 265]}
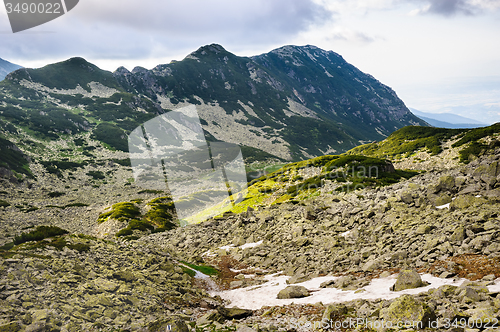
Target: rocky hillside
{"type": "Point", "coordinates": [402, 229]}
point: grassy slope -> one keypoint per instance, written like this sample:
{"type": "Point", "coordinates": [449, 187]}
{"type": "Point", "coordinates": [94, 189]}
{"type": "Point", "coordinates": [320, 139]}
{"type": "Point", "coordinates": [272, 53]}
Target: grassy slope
{"type": "Point", "coordinates": [343, 173]}
{"type": "Point", "coordinates": [407, 140]}
{"type": "Point", "coordinates": [13, 159]}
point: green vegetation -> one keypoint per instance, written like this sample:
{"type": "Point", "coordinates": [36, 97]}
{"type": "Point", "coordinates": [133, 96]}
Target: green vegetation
{"type": "Point", "coordinates": [474, 135]}
{"type": "Point", "coordinates": [69, 74]}
{"type": "Point", "coordinates": [59, 243]}
{"type": "Point", "coordinates": [251, 155]}
{"type": "Point", "coordinates": [40, 233]}
{"type": "Point", "coordinates": [13, 158]}
{"type": "Point", "coordinates": [55, 194]}
{"type": "Point", "coordinates": [135, 224]}
{"type": "Point", "coordinates": [358, 171]}
{"type": "Point", "coordinates": [112, 135]}
{"type": "Point", "coordinates": [205, 269]}
{"type": "Point", "coordinates": [150, 191]}
{"type": "Point", "coordinates": [161, 214]}
{"type": "Point", "coordinates": [346, 173]}
{"type": "Point", "coordinates": [67, 205]}
{"type": "Point", "coordinates": [121, 211]}
{"type": "Point", "coordinates": [124, 162]}
{"type": "Point", "coordinates": [159, 217]}
{"type": "Point", "coordinates": [96, 175]}
{"type": "Point", "coordinates": [25, 207]}
{"type": "Point", "coordinates": [476, 149]}
{"type": "Point", "coordinates": [407, 140]}
{"type": "Point", "coordinates": [188, 271]}
{"type": "Point", "coordinates": [75, 205]}
{"type": "Point", "coordinates": [57, 166]}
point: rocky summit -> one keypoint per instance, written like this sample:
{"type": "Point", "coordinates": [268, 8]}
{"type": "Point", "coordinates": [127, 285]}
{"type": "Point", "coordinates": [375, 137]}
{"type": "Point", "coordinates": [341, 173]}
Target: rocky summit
{"type": "Point", "coordinates": [400, 233]}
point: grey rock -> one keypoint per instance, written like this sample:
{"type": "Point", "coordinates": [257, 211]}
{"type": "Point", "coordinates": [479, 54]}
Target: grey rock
{"type": "Point", "coordinates": [293, 292]}
{"type": "Point", "coordinates": [406, 308]}
{"type": "Point", "coordinates": [234, 313]}
{"type": "Point", "coordinates": [408, 279]}
{"type": "Point", "coordinates": [334, 311]}
{"type": "Point", "coordinates": [370, 266]}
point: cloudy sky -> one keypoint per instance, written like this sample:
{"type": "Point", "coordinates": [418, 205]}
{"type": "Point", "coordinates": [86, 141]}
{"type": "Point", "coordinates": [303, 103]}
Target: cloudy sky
{"type": "Point", "coordinates": [438, 55]}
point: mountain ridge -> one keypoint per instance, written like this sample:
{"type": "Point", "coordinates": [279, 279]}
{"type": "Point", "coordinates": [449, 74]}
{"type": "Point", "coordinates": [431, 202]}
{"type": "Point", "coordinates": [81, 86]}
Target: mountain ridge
{"type": "Point", "coordinates": [294, 102]}
{"type": "Point", "coordinates": [7, 67]}
{"type": "Point", "coordinates": [447, 120]}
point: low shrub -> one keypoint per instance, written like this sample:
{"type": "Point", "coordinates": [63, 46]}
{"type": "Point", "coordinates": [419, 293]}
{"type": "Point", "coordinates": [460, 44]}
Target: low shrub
{"type": "Point", "coordinates": [40, 233]}
{"type": "Point", "coordinates": [121, 211]}
{"type": "Point", "coordinates": [55, 194]}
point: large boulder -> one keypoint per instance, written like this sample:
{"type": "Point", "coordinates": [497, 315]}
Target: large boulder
{"type": "Point", "coordinates": [446, 183]}
{"type": "Point", "coordinates": [407, 309]}
{"type": "Point", "coordinates": [442, 199]}
{"type": "Point", "coordinates": [333, 311]}
{"type": "Point", "coordinates": [458, 234]}
{"type": "Point", "coordinates": [465, 201]}
{"type": "Point", "coordinates": [293, 292]}
{"type": "Point", "coordinates": [408, 279]}
{"type": "Point", "coordinates": [370, 266]}
{"type": "Point", "coordinates": [234, 313]}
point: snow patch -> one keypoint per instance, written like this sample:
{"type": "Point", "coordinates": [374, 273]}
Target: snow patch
{"type": "Point", "coordinates": [251, 245]}
{"type": "Point", "coordinates": [447, 205]}
{"type": "Point", "coordinates": [255, 297]}
{"type": "Point", "coordinates": [345, 233]}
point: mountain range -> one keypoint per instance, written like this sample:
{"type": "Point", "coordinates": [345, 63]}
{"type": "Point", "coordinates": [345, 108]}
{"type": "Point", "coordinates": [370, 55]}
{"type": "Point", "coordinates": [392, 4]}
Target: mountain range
{"type": "Point", "coordinates": [6, 67]}
{"type": "Point", "coordinates": [289, 104]}
{"type": "Point", "coordinates": [447, 120]}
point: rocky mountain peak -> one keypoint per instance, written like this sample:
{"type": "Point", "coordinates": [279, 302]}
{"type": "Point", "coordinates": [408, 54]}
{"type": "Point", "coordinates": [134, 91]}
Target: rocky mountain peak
{"type": "Point", "coordinates": [122, 71]}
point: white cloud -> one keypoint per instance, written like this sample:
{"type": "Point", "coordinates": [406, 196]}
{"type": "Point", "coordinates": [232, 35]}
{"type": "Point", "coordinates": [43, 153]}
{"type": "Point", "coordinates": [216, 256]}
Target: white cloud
{"type": "Point", "coordinates": [130, 29]}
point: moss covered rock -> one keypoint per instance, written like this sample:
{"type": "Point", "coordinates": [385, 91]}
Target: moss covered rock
{"type": "Point", "coordinates": [465, 201]}
{"type": "Point", "coordinates": [333, 311]}
{"type": "Point", "coordinates": [10, 327]}
{"type": "Point", "coordinates": [407, 309]}
{"type": "Point", "coordinates": [234, 313]}
{"type": "Point", "coordinates": [408, 279]}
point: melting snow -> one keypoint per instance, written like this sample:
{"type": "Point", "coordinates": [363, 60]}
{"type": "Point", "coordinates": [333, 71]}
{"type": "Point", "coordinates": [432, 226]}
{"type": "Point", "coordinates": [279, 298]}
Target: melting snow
{"type": "Point", "coordinates": [255, 297]}
{"type": "Point", "coordinates": [345, 233]}
{"type": "Point", "coordinates": [251, 245]}
{"type": "Point", "coordinates": [447, 205]}
{"type": "Point", "coordinates": [246, 245]}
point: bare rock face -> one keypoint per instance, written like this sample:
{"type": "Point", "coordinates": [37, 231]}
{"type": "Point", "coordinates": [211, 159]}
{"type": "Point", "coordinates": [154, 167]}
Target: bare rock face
{"type": "Point", "coordinates": [293, 292]}
{"type": "Point", "coordinates": [408, 279]}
